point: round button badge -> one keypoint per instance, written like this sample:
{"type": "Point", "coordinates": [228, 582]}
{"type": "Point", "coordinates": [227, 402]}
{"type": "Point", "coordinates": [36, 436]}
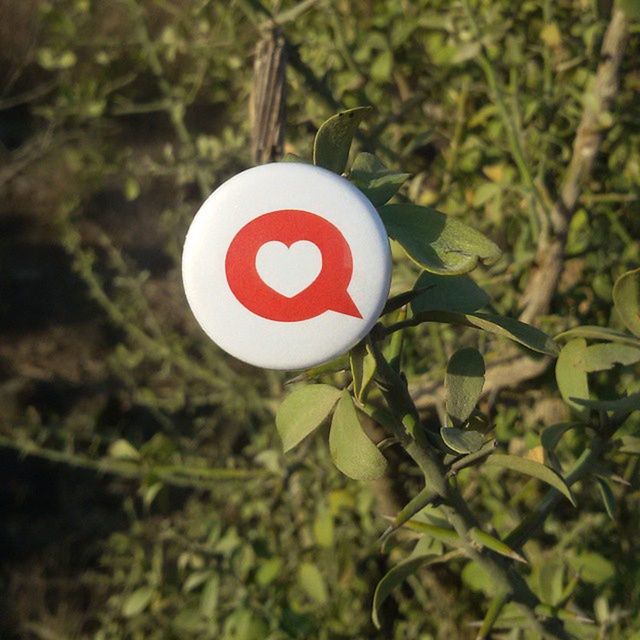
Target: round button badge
{"type": "Point", "coordinates": [286, 266]}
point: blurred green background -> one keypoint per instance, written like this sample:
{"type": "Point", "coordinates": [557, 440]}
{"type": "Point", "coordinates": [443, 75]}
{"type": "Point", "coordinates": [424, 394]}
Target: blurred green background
{"type": "Point", "coordinates": [142, 489]}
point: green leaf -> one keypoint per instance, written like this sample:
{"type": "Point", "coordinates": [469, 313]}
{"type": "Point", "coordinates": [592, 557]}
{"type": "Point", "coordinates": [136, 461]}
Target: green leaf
{"type": "Point", "coordinates": [137, 602]}
{"type": "Point", "coordinates": [437, 242]}
{"type": "Point", "coordinates": [363, 368]}
{"type": "Point", "coordinates": [550, 581]}
{"type": "Point", "coordinates": [626, 299]}
{"type": "Point", "coordinates": [533, 469]}
{"type": "Point", "coordinates": [313, 583]}
{"type": "Point", "coordinates": [630, 7]}
{"type": "Point", "coordinates": [599, 333]}
{"type": "Point", "coordinates": [620, 406]}
{"type": "Point", "coordinates": [552, 434]}
{"type": "Point", "coordinates": [123, 450]}
{"type": "Point", "coordinates": [209, 597]}
{"type": "Point", "coordinates": [571, 373]}
{"type": "Point", "coordinates": [351, 450]}
{"type": "Point", "coordinates": [602, 357]}
{"type": "Point", "coordinates": [443, 534]}
{"type": "Point", "coordinates": [463, 384]}
{"type": "Point", "coordinates": [333, 140]}
{"type": "Point", "coordinates": [268, 571]}
{"type": "Point", "coordinates": [448, 293]}
{"type": "Point", "coordinates": [382, 66]}
{"type": "Point", "coordinates": [303, 411]}
{"type": "Point", "coordinates": [593, 568]}
{"type": "Point", "coordinates": [195, 580]}
{"type": "Point", "coordinates": [377, 182]}
{"type": "Point", "coordinates": [421, 555]}
{"type": "Point", "coordinates": [490, 542]}
{"type": "Point", "coordinates": [515, 330]}
{"type": "Point", "coordinates": [631, 445]}
{"type": "Point", "coordinates": [323, 528]}
{"type": "Point", "coordinates": [460, 440]}
{"type": "Point", "coordinates": [608, 498]}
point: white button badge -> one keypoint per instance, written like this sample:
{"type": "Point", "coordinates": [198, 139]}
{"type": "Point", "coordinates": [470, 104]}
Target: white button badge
{"type": "Point", "coordinates": [286, 266]}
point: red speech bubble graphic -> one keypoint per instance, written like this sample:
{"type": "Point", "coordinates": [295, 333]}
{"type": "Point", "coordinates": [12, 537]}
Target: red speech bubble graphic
{"type": "Point", "coordinates": [327, 292]}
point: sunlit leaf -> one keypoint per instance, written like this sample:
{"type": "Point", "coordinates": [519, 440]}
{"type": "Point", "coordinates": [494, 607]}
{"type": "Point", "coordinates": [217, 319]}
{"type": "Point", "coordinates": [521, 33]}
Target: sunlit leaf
{"type": "Point", "coordinates": [123, 450]}
{"type": "Point", "coordinates": [463, 384]}
{"type": "Point", "coordinates": [601, 357]}
{"type": "Point", "coordinates": [630, 444]}
{"type": "Point", "coordinates": [437, 242]}
{"type": "Point", "coordinates": [137, 602]}
{"type": "Point", "coordinates": [303, 411]}
{"type": "Point", "coordinates": [209, 597]}
{"type": "Point", "coordinates": [533, 469]}
{"type": "Point", "coordinates": [626, 298]}
{"type": "Point", "coordinates": [313, 583]}
{"type": "Point", "coordinates": [351, 450]}
{"type": "Point", "coordinates": [571, 374]}
{"type": "Point", "coordinates": [333, 140]}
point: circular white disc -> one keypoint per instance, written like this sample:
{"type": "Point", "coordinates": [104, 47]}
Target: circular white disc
{"type": "Point", "coordinates": [286, 266]}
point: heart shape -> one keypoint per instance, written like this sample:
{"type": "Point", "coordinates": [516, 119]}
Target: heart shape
{"type": "Point", "coordinates": [289, 270]}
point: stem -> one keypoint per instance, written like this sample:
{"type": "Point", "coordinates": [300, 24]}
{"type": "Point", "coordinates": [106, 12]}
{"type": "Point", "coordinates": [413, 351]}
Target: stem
{"type": "Point", "coordinates": [540, 225]}
{"type": "Point", "coordinates": [175, 475]}
{"type": "Point", "coordinates": [507, 582]}
{"type": "Point", "coordinates": [491, 616]}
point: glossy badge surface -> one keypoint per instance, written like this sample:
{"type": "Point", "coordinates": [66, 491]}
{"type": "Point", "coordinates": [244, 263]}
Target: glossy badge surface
{"type": "Point", "coordinates": [286, 266]}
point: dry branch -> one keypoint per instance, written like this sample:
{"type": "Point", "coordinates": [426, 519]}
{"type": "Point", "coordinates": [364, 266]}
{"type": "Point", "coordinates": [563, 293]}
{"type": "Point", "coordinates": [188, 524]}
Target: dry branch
{"type": "Point", "coordinates": [513, 369]}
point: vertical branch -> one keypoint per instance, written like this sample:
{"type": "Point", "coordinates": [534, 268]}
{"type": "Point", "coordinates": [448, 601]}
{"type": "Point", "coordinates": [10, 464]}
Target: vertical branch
{"type": "Point", "coordinates": [267, 107]}
{"type": "Point", "coordinates": [542, 285]}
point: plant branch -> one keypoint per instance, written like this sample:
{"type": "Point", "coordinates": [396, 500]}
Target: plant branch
{"type": "Point", "coordinates": [175, 475]}
{"type": "Point", "coordinates": [512, 369]}
{"type": "Point", "coordinates": [413, 437]}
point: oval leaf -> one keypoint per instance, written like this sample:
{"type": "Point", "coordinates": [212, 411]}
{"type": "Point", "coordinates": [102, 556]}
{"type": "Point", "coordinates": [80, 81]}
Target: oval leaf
{"type": "Point", "coordinates": [313, 583]}
{"type": "Point", "coordinates": [303, 411]}
{"type": "Point", "coordinates": [463, 384]}
{"type": "Point", "coordinates": [333, 140]}
{"type": "Point", "coordinates": [601, 357]}
{"type": "Point", "coordinates": [571, 374]}
{"type": "Point", "coordinates": [137, 602]}
{"type": "Point", "coordinates": [461, 441]}
{"type": "Point", "coordinates": [626, 298]}
{"type": "Point", "coordinates": [533, 469]}
{"type": "Point", "coordinates": [351, 450]}
{"type": "Point", "coordinates": [123, 450]}
{"type": "Point", "coordinates": [437, 242]}
{"type": "Point", "coordinates": [448, 293]}
{"type": "Point", "coordinates": [377, 182]}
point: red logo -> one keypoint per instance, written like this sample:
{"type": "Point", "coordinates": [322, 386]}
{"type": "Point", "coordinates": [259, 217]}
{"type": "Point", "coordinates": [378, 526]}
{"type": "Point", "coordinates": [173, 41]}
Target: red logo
{"type": "Point", "coordinates": [328, 291]}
